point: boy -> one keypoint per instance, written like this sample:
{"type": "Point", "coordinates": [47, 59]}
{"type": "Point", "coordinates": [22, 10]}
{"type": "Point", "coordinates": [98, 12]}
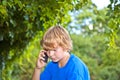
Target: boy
{"type": "Point", "coordinates": [57, 45]}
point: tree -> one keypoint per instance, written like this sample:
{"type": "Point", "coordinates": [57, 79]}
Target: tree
{"type": "Point", "coordinates": [114, 22]}
{"type": "Point", "coordinates": [91, 21]}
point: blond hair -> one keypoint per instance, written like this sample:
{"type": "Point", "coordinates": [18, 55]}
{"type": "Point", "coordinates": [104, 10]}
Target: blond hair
{"type": "Point", "coordinates": [56, 36]}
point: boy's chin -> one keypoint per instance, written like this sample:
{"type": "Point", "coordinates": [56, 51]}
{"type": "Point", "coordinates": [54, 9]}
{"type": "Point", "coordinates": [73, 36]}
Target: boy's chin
{"type": "Point", "coordinates": [54, 60]}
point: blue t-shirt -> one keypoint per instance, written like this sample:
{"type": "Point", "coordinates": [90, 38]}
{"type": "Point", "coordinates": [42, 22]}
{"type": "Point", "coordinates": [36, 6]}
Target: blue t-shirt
{"type": "Point", "coordinates": [74, 69]}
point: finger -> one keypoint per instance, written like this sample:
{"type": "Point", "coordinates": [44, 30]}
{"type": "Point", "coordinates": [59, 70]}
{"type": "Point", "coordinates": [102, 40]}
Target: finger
{"type": "Point", "coordinates": [42, 58]}
{"type": "Point", "coordinates": [40, 54]}
{"type": "Point", "coordinates": [43, 53]}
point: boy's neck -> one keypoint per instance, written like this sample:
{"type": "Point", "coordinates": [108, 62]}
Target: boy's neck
{"type": "Point", "coordinates": [64, 60]}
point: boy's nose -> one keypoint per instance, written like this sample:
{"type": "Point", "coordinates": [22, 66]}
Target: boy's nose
{"type": "Point", "coordinates": [51, 53]}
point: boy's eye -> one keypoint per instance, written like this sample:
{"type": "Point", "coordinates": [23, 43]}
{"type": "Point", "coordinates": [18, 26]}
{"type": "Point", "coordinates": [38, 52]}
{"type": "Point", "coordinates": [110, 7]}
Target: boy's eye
{"type": "Point", "coordinates": [45, 49]}
{"type": "Point", "coordinates": [54, 50]}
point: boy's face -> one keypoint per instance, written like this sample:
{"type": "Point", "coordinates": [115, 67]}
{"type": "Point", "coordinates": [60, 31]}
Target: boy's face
{"type": "Point", "coordinates": [56, 54]}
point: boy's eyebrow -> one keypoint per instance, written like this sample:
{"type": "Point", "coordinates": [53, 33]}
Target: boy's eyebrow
{"type": "Point", "coordinates": [48, 49]}
{"type": "Point", "coordinates": [51, 49]}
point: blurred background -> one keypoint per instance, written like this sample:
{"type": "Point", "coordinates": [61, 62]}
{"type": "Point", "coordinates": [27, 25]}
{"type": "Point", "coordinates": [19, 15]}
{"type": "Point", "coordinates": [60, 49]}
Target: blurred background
{"type": "Point", "coordinates": [94, 27]}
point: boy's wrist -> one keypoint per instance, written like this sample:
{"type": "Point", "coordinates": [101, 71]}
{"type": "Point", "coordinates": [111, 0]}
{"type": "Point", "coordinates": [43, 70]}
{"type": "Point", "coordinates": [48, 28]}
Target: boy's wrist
{"type": "Point", "coordinates": [37, 67]}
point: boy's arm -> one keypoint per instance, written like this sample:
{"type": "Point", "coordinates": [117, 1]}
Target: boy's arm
{"type": "Point", "coordinates": [36, 74]}
{"type": "Point", "coordinates": [39, 65]}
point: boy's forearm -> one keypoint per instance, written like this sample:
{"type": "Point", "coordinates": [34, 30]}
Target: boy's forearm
{"type": "Point", "coordinates": [36, 74]}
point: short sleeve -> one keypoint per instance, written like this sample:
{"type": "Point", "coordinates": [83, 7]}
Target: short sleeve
{"type": "Point", "coordinates": [75, 76]}
{"type": "Point", "coordinates": [45, 75]}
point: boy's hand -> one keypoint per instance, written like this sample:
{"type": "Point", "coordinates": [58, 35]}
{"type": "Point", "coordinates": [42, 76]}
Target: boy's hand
{"type": "Point", "coordinates": [41, 60]}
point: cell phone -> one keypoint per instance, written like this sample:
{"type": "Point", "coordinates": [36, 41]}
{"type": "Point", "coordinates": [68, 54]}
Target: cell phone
{"type": "Point", "coordinates": [45, 57]}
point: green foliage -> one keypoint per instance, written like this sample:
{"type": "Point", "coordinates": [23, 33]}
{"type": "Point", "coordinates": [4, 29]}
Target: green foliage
{"type": "Point", "coordinates": [102, 60]}
{"type": "Point", "coordinates": [91, 21]}
{"type": "Point", "coordinates": [90, 50]}
{"type": "Point", "coordinates": [110, 65]}
{"type": "Point", "coordinates": [114, 21]}
{"type": "Point", "coordinates": [21, 20]}
{"type": "Point", "coordinates": [23, 66]}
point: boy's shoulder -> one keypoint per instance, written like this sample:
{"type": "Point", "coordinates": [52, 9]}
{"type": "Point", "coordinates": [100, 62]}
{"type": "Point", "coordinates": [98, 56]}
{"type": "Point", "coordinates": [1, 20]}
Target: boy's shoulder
{"type": "Point", "coordinates": [76, 61]}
